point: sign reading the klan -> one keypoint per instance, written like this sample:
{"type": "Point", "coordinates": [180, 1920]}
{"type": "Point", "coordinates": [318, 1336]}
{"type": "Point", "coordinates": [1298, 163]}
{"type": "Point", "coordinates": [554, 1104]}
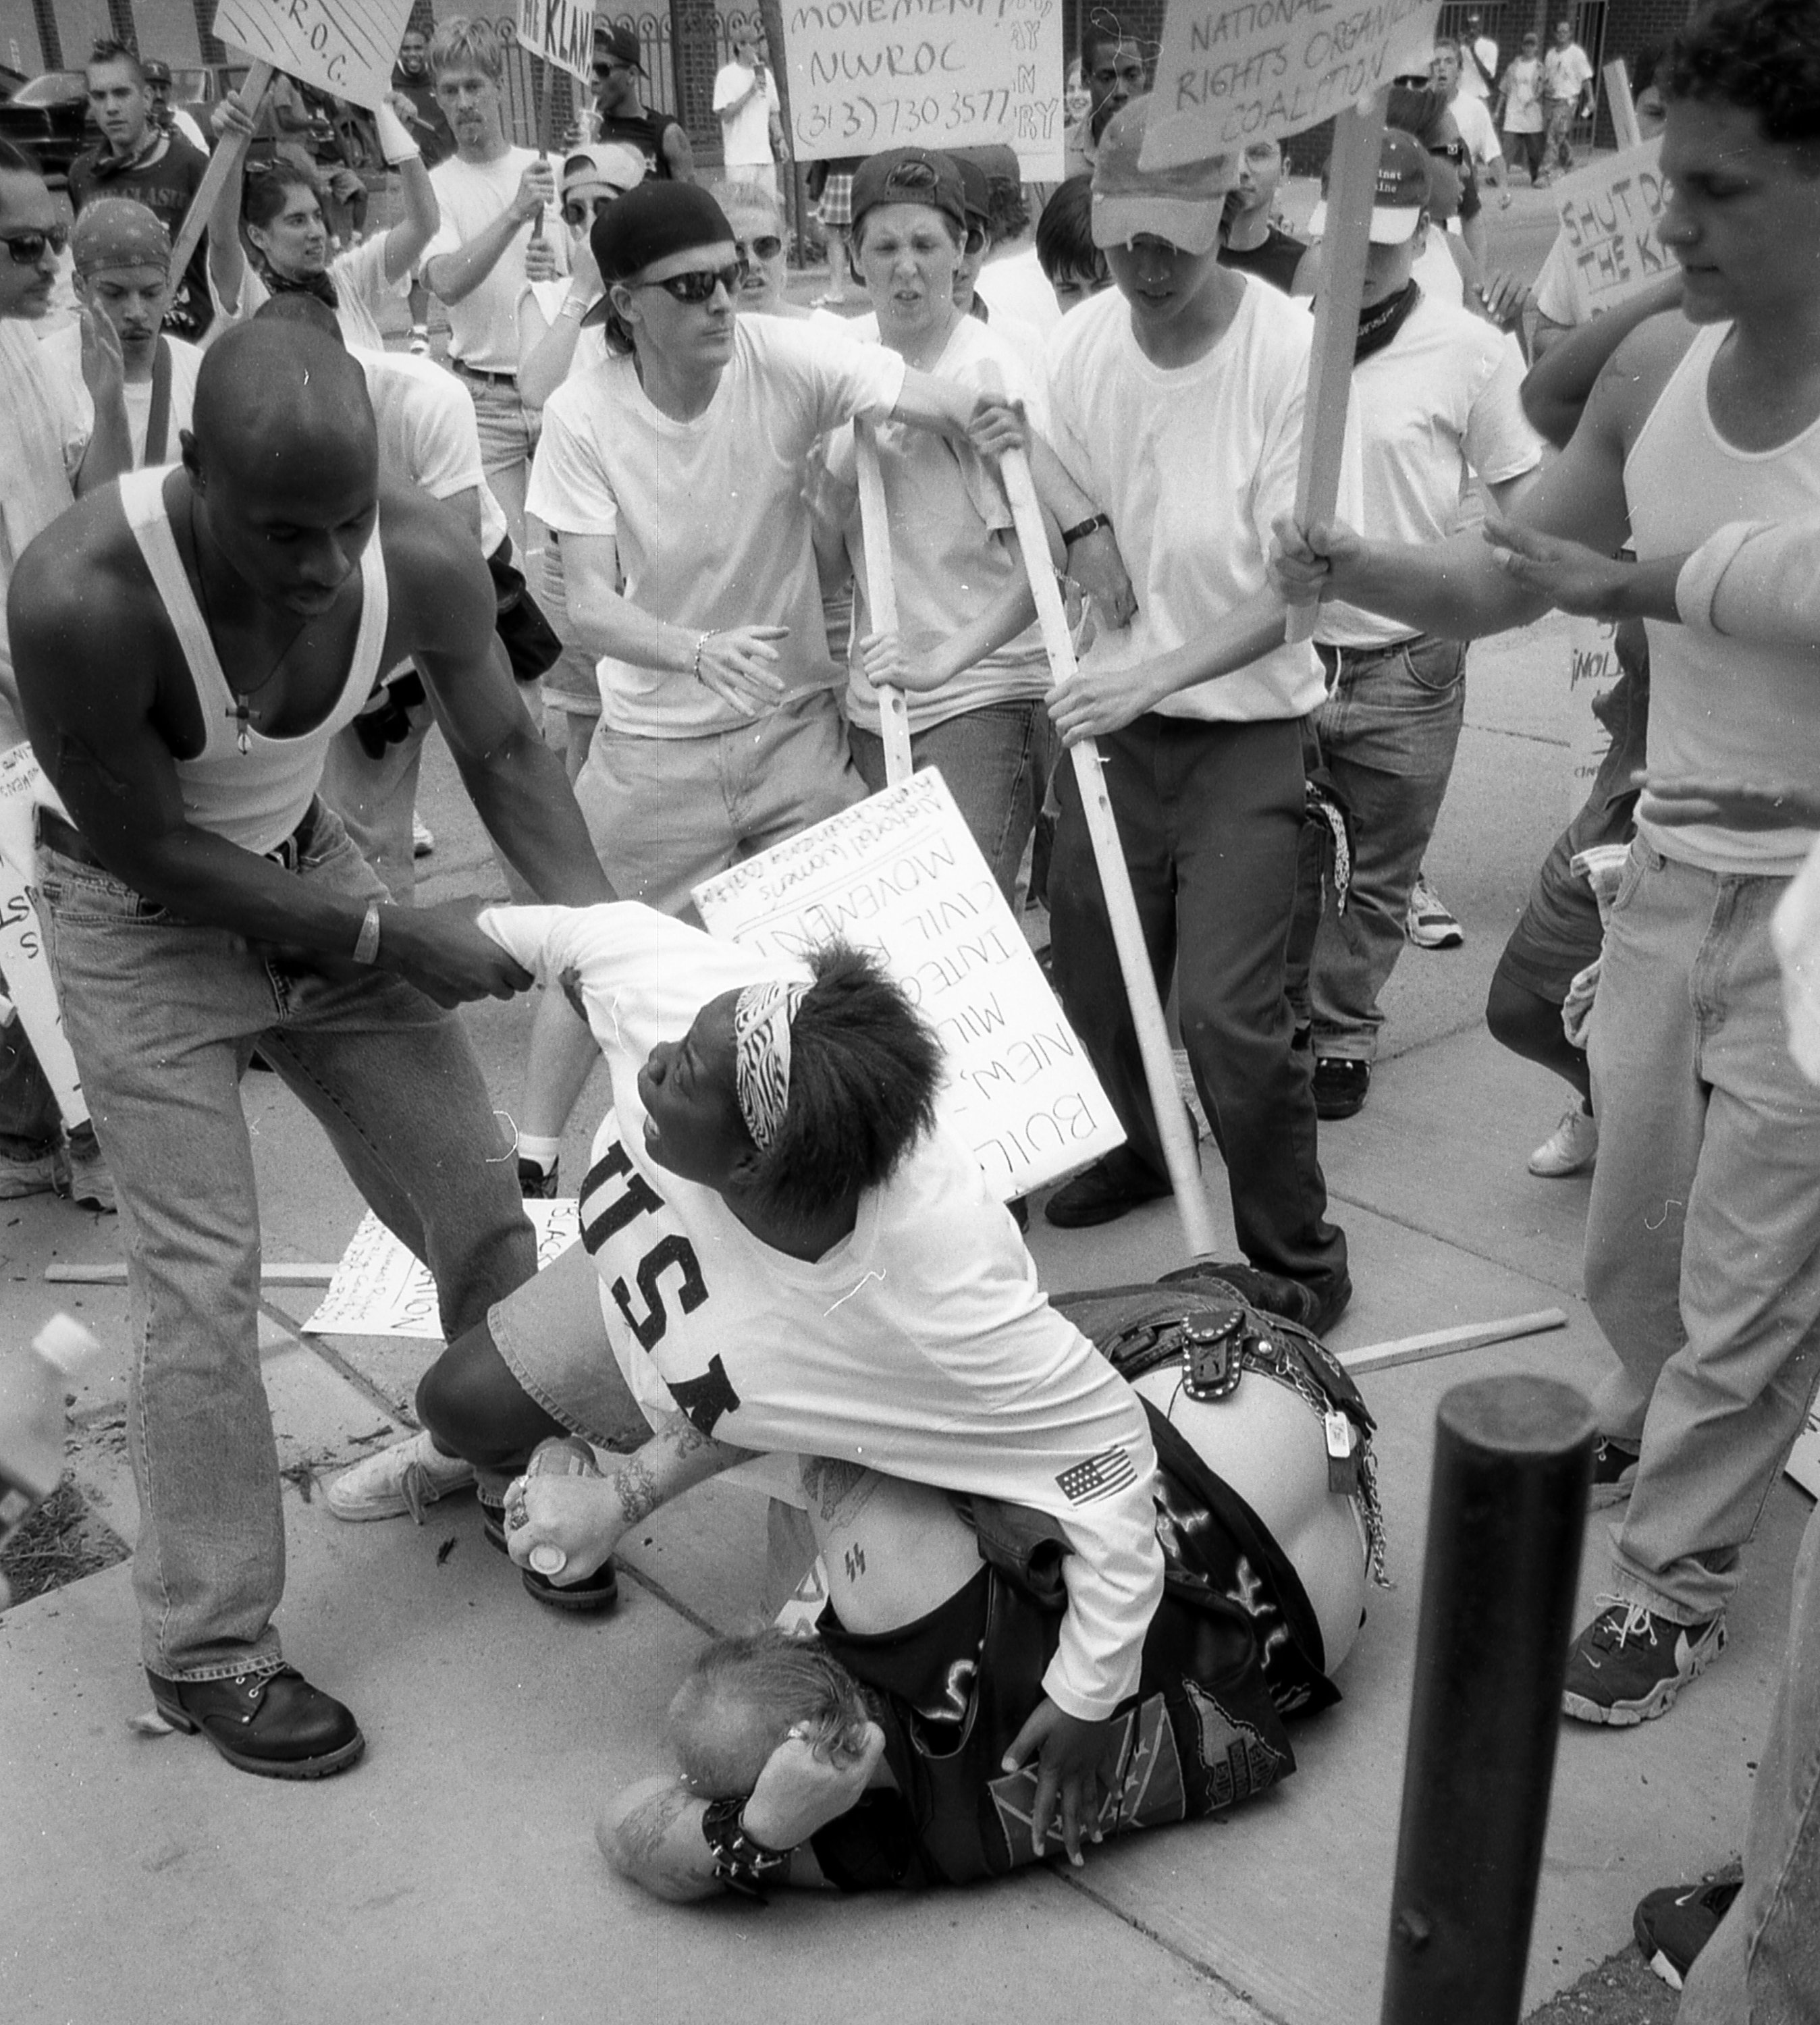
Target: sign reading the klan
{"type": "Point", "coordinates": [344, 47]}
{"type": "Point", "coordinates": [869, 74]}
{"type": "Point", "coordinates": [561, 31]}
{"type": "Point", "coordinates": [901, 874]}
{"type": "Point", "coordinates": [1611, 218]}
{"type": "Point", "coordinates": [1236, 70]}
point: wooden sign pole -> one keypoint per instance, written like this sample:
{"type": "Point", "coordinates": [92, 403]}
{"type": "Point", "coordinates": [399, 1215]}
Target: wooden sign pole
{"type": "Point", "coordinates": [1172, 1126]}
{"type": "Point", "coordinates": [881, 597]}
{"type": "Point", "coordinates": [229, 152]}
{"type": "Point", "coordinates": [1352, 185]}
{"type": "Point", "coordinates": [1624, 127]}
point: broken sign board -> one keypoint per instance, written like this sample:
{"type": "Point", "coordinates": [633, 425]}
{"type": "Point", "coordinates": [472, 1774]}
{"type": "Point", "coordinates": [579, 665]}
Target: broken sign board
{"type": "Point", "coordinates": [1610, 219]}
{"type": "Point", "coordinates": [901, 874]}
{"type": "Point", "coordinates": [869, 74]}
{"type": "Point", "coordinates": [344, 47]}
{"type": "Point", "coordinates": [1232, 71]}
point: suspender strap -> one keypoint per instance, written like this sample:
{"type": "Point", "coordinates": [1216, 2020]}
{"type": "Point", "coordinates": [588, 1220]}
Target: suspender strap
{"type": "Point", "coordinates": [158, 421]}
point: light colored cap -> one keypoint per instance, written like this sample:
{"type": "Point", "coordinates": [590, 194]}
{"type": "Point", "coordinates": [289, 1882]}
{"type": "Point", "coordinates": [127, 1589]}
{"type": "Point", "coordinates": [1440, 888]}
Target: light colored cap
{"type": "Point", "coordinates": [1183, 205]}
{"type": "Point", "coordinates": [615, 165]}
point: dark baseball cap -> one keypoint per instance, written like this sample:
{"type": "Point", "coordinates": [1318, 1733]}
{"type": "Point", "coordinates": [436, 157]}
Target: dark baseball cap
{"type": "Point", "coordinates": [648, 224]}
{"type": "Point", "coordinates": [620, 41]}
{"type": "Point", "coordinates": [909, 175]}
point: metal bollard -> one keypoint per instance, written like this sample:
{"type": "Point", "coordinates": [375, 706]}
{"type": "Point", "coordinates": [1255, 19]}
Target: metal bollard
{"type": "Point", "coordinates": [1513, 1464]}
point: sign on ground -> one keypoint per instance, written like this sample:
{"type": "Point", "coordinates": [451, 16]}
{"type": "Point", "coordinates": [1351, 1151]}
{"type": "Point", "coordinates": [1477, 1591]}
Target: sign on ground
{"type": "Point", "coordinates": [381, 1289]}
{"type": "Point", "coordinates": [901, 874]}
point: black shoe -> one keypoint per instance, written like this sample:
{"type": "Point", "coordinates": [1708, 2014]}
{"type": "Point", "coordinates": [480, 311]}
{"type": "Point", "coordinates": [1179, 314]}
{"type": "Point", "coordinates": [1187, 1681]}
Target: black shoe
{"type": "Point", "coordinates": [534, 1184]}
{"type": "Point", "coordinates": [1276, 1294]}
{"type": "Point", "coordinates": [1113, 1187]}
{"type": "Point", "coordinates": [1339, 1086]}
{"type": "Point", "coordinates": [1674, 1924]}
{"type": "Point", "coordinates": [275, 1724]}
{"type": "Point", "coordinates": [601, 1591]}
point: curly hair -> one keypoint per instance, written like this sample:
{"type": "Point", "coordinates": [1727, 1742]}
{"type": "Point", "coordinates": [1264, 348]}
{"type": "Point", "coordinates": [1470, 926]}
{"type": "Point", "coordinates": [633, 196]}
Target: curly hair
{"type": "Point", "coordinates": [762, 1684]}
{"type": "Point", "coordinates": [1762, 55]}
{"type": "Point", "coordinates": [864, 1070]}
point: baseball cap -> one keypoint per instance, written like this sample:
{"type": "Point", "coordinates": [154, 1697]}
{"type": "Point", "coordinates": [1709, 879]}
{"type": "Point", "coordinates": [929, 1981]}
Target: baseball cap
{"type": "Point", "coordinates": [648, 224]}
{"type": "Point", "coordinates": [1183, 205]}
{"type": "Point", "coordinates": [116, 232]}
{"type": "Point", "coordinates": [1401, 194]}
{"type": "Point", "coordinates": [155, 70]}
{"type": "Point", "coordinates": [616, 165]}
{"type": "Point", "coordinates": [616, 39]}
{"type": "Point", "coordinates": [909, 175]}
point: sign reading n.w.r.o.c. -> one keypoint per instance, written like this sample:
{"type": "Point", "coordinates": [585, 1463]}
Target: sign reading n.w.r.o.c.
{"type": "Point", "coordinates": [344, 47]}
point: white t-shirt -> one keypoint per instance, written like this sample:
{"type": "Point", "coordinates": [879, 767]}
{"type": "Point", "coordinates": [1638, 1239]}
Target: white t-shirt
{"type": "Point", "coordinates": [590, 345]}
{"type": "Point", "coordinates": [1523, 96]}
{"type": "Point", "coordinates": [1016, 292]}
{"type": "Point", "coordinates": [1473, 118]}
{"type": "Point", "coordinates": [1443, 399]}
{"type": "Point", "coordinates": [746, 135]}
{"type": "Point", "coordinates": [483, 325]}
{"type": "Point", "coordinates": [707, 515]}
{"type": "Point", "coordinates": [950, 557]}
{"type": "Point", "coordinates": [1565, 72]}
{"type": "Point", "coordinates": [1473, 80]}
{"type": "Point", "coordinates": [920, 1345]}
{"type": "Point", "coordinates": [1194, 463]}
{"type": "Point", "coordinates": [361, 290]}
{"type": "Point", "coordinates": [427, 434]}
{"type": "Point", "coordinates": [64, 346]}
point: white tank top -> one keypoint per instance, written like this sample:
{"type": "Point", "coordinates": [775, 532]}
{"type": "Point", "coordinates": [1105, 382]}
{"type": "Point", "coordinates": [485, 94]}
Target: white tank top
{"type": "Point", "coordinates": [256, 798]}
{"type": "Point", "coordinates": [1719, 709]}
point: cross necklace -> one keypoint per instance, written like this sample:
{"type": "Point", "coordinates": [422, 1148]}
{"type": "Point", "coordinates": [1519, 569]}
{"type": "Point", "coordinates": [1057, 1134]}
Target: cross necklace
{"type": "Point", "coordinates": [239, 712]}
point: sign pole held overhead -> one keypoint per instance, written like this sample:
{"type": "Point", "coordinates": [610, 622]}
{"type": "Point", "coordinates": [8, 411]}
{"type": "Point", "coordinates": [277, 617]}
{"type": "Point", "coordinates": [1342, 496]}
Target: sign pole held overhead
{"type": "Point", "coordinates": [881, 598]}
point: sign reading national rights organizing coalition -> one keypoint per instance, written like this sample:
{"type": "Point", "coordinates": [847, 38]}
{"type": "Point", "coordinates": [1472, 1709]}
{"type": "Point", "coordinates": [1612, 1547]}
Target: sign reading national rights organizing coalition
{"type": "Point", "coordinates": [869, 74]}
{"type": "Point", "coordinates": [1232, 71]}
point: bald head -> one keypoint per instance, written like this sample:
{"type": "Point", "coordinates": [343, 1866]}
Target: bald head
{"type": "Point", "coordinates": [282, 408]}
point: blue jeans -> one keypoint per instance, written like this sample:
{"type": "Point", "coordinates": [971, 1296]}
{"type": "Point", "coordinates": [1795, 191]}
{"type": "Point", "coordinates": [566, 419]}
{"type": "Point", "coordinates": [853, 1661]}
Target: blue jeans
{"type": "Point", "coordinates": [1763, 1966]}
{"type": "Point", "coordinates": [1388, 731]}
{"type": "Point", "coordinates": [1703, 1237]}
{"type": "Point", "coordinates": [162, 1016]}
{"type": "Point", "coordinates": [996, 761]}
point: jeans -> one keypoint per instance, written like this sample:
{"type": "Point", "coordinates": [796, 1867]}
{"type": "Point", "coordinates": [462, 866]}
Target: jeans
{"type": "Point", "coordinates": [1210, 817]}
{"type": "Point", "coordinates": [1703, 1238]}
{"type": "Point", "coordinates": [1560, 112]}
{"type": "Point", "coordinates": [996, 761]}
{"type": "Point", "coordinates": [1388, 732]}
{"type": "Point", "coordinates": [162, 1016]}
{"type": "Point", "coordinates": [1762, 1965]}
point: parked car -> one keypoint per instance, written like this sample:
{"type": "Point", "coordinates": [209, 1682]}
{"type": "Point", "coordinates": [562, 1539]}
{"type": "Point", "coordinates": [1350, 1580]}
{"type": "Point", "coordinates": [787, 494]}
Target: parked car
{"type": "Point", "coordinates": [49, 118]}
{"type": "Point", "coordinates": [197, 88]}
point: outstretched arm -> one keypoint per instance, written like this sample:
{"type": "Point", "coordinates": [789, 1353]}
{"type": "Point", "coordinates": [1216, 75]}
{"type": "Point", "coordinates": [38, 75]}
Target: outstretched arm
{"type": "Point", "coordinates": [1560, 383]}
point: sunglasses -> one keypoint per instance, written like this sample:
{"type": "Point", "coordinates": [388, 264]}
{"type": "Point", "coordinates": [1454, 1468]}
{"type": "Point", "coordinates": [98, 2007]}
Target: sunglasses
{"type": "Point", "coordinates": [607, 69]}
{"type": "Point", "coordinates": [698, 285]}
{"type": "Point", "coordinates": [1451, 151]}
{"type": "Point", "coordinates": [28, 247]}
{"type": "Point", "coordinates": [767, 246]}
{"type": "Point", "coordinates": [584, 210]}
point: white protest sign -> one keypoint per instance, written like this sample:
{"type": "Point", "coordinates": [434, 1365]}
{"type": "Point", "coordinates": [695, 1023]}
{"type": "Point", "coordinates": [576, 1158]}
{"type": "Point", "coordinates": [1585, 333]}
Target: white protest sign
{"type": "Point", "coordinates": [22, 954]}
{"type": "Point", "coordinates": [345, 47]}
{"type": "Point", "coordinates": [1235, 70]}
{"type": "Point", "coordinates": [1610, 217]}
{"type": "Point", "coordinates": [1593, 673]}
{"type": "Point", "coordinates": [561, 31]}
{"type": "Point", "coordinates": [901, 874]}
{"type": "Point", "coordinates": [381, 1289]}
{"type": "Point", "coordinates": [869, 74]}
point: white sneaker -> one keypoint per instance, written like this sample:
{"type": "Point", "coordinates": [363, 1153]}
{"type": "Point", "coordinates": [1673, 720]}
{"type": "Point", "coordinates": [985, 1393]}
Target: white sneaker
{"type": "Point", "coordinates": [403, 1478]}
{"type": "Point", "coordinates": [1429, 923]}
{"type": "Point", "coordinates": [1570, 1149]}
{"type": "Point", "coordinates": [423, 838]}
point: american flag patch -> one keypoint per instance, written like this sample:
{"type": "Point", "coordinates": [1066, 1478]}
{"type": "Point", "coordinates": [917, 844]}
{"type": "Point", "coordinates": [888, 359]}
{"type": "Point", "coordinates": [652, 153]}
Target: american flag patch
{"type": "Point", "coordinates": [1099, 1476]}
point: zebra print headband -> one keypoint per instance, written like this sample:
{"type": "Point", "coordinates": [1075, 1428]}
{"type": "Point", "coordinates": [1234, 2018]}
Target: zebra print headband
{"type": "Point", "coordinates": [761, 1030]}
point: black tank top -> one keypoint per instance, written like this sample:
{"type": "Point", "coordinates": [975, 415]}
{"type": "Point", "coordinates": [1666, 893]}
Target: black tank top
{"type": "Point", "coordinates": [645, 133]}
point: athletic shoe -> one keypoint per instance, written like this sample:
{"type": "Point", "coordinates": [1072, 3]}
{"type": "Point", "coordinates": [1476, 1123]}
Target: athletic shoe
{"type": "Point", "coordinates": [1571, 1147]}
{"type": "Point", "coordinates": [406, 1477]}
{"type": "Point", "coordinates": [423, 838]}
{"type": "Point", "coordinates": [1614, 1475]}
{"type": "Point", "coordinates": [1674, 1924]}
{"type": "Point", "coordinates": [1428, 923]}
{"type": "Point", "coordinates": [599, 1591]}
{"type": "Point", "coordinates": [1113, 1187]}
{"type": "Point", "coordinates": [274, 1724]}
{"type": "Point", "coordinates": [1340, 1087]}
{"type": "Point", "coordinates": [420, 341]}
{"type": "Point", "coordinates": [85, 1178]}
{"type": "Point", "coordinates": [1630, 1663]}
{"type": "Point", "coordinates": [536, 1184]}
{"type": "Point", "coordinates": [35, 1175]}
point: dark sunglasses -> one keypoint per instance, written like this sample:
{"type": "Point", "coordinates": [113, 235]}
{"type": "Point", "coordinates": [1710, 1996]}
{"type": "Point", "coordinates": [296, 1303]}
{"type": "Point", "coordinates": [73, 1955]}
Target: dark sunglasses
{"type": "Point", "coordinates": [767, 246]}
{"type": "Point", "coordinates": [28, 247]}
{"type": "Point", "coordinates": [1451, 151]}
{"type": "Point", "coordinates": [607, 69]}
{"type": "Point", "coordinates": [698, 285]}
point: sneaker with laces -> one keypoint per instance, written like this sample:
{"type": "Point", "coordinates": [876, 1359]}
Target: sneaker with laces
{"type": "Point", "coordinates": [536, 1184]}
{"type": "Point", "coordinates": [420, 341]}
{"type": "Point", "coordinates": [1630, 1663]}
{"type": "Point", "coordinates": [84, 1177]}
{"type": "Point", "coordinates": [1614, 1475]}
{"type": "Point", "coordinates": [1571, 1147]}
{"type": "Point", "coordinates": [1674, 1924]}
{"type": "Point", "coordinates": [406, 1477]}
{"type": "Point", "coordinates": [1429, 923]}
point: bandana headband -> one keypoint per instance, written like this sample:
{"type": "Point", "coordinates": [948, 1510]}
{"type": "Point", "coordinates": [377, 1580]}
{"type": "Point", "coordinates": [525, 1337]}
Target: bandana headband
{"type": "Point", "coordinates": [761, 1030]}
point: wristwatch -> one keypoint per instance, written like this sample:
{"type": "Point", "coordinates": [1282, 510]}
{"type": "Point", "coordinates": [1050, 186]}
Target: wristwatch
{"type": "Point", "coordinates": [1081, 529]}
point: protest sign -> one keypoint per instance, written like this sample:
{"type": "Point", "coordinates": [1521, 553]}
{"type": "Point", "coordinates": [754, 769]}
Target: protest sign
{"type": "Point", "coordinates": [381, 1289]}
{"type": "Point", "coordinates": [867, 74]}
{"type": "Point", "coordinates": [23, 960]}
{"type": "Point", "coordinates": [560, 32]}
{"type": "Point", "coordinates": [1593, 673]}
{"type": "Point", "coordinates": [1610, 217]}
{"type": "Point", "coordinates": [901, 874]}
{"type": "Point", "coordinates": [344, 47]}
{"type": "Point", "coordinates": [1236, 70]}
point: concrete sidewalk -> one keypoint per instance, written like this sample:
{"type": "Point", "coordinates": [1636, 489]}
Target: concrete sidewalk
{"type": "Point", "coordinates": [453, 1875]}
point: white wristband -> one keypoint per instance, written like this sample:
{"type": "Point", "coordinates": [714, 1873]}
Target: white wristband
{"type": "Point", "coordinates": [394, 140]}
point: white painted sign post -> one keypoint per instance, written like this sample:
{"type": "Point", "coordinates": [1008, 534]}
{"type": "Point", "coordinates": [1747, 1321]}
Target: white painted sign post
{"type": "Point", "coordinates": [881, 597]}
{"type": "Point", "coordinates": [869, 74]}
{"type": "Point", "coordinates": [900, 873]}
